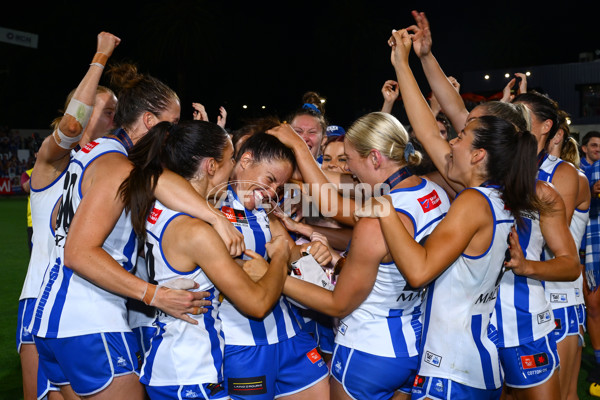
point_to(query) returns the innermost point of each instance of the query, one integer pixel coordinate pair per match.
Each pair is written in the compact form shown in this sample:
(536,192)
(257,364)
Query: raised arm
(445,92)
(53,155)
(390,95)
(419,114)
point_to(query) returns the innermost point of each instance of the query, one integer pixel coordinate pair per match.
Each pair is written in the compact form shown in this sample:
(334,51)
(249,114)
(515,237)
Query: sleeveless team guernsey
(578,225)
(181,353)
(559,294)
(522,313)
(459,303)
(67,304)
(280,323)
(42,203)
(389,322)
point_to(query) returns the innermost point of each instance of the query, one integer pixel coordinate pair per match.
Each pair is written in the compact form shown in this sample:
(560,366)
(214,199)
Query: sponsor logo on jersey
(544,317)
(88,147)
(558,297)
(313,356)
(235,216)
(534,361)
(433,359)
(419,381)
(154,214)
(430,201)
(486,297)
(247,386)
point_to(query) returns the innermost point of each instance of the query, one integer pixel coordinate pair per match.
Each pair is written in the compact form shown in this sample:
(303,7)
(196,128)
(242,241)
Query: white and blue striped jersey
(389,322)
(522,313)
(280,323)
(68,304)
(181,353)
(578,226)
(459,303)
(42,201)
(559,294)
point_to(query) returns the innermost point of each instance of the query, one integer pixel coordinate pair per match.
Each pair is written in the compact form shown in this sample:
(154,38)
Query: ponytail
(137,191)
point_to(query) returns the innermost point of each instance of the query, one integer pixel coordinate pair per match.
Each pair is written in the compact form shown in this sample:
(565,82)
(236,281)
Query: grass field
(13,267)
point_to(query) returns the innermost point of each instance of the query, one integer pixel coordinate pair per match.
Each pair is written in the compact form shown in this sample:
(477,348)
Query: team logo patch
(342,328)
(247,386)
(88,147)
(236,217)
(433,359)
(153,216)
(534,361)
(430,201)
(558,297)
(419,381)
(543,317)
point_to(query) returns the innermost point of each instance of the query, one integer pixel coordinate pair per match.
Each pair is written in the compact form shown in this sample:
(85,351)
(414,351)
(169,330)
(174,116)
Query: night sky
(269,53)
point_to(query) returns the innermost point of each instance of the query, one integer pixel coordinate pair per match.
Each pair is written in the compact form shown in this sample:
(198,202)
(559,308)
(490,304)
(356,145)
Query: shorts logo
(191,394)
(247,386)
(543,317)
(338,367)
(153,216)
(439,386)
(313,356)
(121,361)
(419,381)
(537,360)
(88,147)
(557,324)
(430,201)
(342,328)
(433,359)
(236,217)
(558,297)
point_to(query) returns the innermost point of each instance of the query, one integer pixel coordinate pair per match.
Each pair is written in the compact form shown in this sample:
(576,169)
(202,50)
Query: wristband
(80,111)
(96,64)
(149,294)
(64,141)
(100,58)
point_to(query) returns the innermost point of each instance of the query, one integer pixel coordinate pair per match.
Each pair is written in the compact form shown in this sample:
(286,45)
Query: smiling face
(256,182)
(309,129)
(592,150)
(334,158)
(356,163)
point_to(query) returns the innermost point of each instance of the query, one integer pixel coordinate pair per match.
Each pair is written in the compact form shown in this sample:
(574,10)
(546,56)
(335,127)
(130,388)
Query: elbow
(575,270)
(417,281)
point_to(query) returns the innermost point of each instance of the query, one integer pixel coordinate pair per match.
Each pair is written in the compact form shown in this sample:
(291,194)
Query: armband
(80,111)
(100,58)
(64,141)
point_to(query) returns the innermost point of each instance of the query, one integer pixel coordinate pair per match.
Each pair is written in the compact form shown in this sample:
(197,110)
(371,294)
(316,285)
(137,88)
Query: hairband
(409,150)
(311,107)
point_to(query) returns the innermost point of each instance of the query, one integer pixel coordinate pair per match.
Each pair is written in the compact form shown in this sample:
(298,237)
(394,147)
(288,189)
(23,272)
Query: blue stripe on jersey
(394,321)
(259,236)
(59,301)
(499,324)
(149,361)
(39,311)
(259,332)
(279,321)
(524,233)
(215,346)
(130,251)
(521,298)
(293,311)
(484,356)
